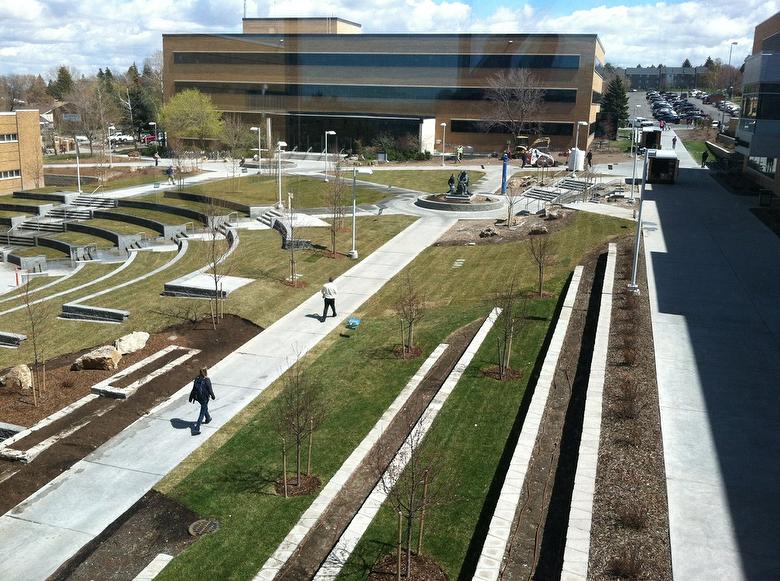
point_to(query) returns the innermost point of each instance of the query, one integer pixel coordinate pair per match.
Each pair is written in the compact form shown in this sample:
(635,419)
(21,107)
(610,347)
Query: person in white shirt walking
(329,294)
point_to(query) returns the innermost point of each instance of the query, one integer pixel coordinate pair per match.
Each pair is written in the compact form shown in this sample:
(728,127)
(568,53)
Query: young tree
(236,138)
(414,483)
(514,102)
(190,115)
(541,249)
(335,199)
(38,316)
(217,247)
(301,410)
(509,323)
(410,307)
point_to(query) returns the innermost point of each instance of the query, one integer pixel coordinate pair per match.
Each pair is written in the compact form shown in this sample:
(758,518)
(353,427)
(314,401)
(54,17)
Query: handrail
(96,189)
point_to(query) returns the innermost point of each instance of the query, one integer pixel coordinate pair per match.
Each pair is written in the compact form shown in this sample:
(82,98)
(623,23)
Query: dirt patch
(467,231)
(401,353)
(423,569)
(149,368)
(309,485)
(108,417)
(155,524)
(495,373)
(323,536)
(630,530)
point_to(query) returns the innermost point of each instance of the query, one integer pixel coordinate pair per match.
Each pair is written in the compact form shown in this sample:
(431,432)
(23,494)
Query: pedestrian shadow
(315,316)
(180,424)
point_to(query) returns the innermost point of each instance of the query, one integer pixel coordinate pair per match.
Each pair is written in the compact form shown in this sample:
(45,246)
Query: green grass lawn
(40,251)
(230,477)
(24,201)
(694,146)
(433,181)
(81,239)
(158,198)
(120,227)
(66,158)
(263,191)
(10,213)
(162,217)
(259,256)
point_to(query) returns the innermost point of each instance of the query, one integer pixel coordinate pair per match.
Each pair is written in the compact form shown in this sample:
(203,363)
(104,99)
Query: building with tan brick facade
(21,161)
(315,75)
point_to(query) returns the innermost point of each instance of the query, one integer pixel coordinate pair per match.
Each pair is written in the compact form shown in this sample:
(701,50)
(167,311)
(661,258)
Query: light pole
(723,112)
(279,146)
(633,153)
(259,155)
(110,149)
(633,287)
(576,146)
(443,141)
(153,125)
(326,152)
(354,253)
(78,165)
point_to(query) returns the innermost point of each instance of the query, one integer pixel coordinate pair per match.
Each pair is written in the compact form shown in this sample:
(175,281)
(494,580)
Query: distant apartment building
(313,75)
(758,131)
(21,161)
(661,77)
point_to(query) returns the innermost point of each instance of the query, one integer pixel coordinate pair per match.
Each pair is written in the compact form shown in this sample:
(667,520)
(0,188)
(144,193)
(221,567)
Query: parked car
(149,138)
(121,138)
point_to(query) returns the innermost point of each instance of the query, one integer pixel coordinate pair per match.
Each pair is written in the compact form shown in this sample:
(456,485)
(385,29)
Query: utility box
(662,166)
(651,138)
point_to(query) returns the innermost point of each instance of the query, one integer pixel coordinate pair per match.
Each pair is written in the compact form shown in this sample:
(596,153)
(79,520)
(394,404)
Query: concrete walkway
(715,300)
(45,530)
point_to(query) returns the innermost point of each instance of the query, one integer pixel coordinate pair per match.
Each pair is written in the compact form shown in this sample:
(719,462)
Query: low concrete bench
(88,313)
(11,339)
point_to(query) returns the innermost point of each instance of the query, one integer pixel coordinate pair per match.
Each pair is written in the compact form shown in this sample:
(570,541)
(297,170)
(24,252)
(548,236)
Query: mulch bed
(155,524)
(401,353)
(423,569)
(117,414)
(630,531)
(495,373)
(308,485)
(467,231)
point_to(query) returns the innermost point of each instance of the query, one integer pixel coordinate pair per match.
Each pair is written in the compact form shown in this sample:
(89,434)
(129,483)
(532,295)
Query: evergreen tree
(614,104)
(687,64)
(710,64)
(143,106)
(62,85)
(132,75)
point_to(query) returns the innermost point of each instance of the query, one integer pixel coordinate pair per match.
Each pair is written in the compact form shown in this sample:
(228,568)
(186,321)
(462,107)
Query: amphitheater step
(540,194)
(43,226)
(11,339)
(97,314)
(95,202)
(69,213)
(269,216)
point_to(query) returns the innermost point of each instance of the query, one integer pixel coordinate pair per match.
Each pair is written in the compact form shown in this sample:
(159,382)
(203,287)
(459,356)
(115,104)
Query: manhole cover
(203,527)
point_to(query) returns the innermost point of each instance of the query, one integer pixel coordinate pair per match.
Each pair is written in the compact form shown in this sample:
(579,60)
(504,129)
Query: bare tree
(410,307)
(414,483)
(38,315)
(335,198)
(217,247)
(301,410)
(514,102)
(541,248)
(236,139)
(509,323)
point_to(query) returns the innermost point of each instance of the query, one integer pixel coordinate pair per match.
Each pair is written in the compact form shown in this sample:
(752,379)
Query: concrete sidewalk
(48,528)
(715,303)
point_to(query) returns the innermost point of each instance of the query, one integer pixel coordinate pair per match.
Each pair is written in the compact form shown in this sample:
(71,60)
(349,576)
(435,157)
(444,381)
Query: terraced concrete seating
(11,339)
(177,210)
(91,202)
(89,313)
(60,197)
(252,211)
(166,230)
(274,219)
(541,194)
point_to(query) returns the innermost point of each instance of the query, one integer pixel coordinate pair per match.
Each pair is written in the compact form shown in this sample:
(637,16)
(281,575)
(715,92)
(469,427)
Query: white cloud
(37,36)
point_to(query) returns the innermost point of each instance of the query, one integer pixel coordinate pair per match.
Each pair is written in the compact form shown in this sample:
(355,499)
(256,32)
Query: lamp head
(281,144)
(330,133)
(254,129)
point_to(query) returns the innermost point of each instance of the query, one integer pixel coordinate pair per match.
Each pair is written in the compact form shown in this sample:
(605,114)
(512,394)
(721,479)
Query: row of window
(761,106)
(9,174)
(373,60)
(466,126)
(363,92)
(8,137)
(764,165)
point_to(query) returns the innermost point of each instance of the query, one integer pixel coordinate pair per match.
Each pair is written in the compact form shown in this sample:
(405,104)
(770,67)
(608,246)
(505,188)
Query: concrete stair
(69,213)
(86,201)
(573,184)
(38,226)
(14,240)
(541,194)
(269,216)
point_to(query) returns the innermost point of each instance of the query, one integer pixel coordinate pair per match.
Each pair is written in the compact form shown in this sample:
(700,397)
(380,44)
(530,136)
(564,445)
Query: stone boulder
(553,215)
(18,377)
(538,229)
(488,232)
(131,343)
(106,357)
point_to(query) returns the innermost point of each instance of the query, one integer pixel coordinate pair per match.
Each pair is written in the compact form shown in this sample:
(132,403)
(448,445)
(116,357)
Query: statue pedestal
(458,198)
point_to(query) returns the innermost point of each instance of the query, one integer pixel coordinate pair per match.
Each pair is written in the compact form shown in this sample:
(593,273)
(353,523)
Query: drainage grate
(203,527)
(458,263)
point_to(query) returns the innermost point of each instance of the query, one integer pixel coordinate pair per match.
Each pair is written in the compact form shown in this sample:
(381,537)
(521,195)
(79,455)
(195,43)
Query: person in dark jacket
(201,392)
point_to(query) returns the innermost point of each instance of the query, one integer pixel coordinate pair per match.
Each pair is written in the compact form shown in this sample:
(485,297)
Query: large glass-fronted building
(315,75)
(758,132)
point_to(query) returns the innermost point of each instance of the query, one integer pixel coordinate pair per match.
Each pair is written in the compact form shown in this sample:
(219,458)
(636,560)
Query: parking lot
(638,98)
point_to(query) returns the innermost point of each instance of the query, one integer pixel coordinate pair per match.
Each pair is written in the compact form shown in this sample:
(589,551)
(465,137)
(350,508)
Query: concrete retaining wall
(60,197)
(164,229)
(455,207)
(204,199)
(120,240)
(51,179)
(186,212)
(41,210)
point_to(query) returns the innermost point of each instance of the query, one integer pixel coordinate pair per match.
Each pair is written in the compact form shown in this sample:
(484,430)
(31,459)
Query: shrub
(627,565)
(631,514)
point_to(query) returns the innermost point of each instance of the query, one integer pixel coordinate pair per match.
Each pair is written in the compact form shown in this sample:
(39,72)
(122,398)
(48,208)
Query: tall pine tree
(615,102)
(687,64)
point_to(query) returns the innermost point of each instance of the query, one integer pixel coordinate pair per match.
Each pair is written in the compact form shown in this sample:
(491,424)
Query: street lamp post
(279,146)
(443,141)
(576,146)
(723,112)
(78,165)
(326,152)
(633,287)
(633,153)
(367,170)
(259,155)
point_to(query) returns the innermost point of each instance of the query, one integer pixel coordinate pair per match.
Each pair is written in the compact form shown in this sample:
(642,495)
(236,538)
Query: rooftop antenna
(244,9)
